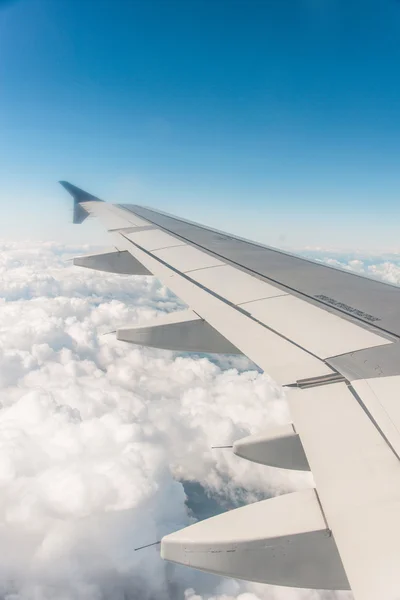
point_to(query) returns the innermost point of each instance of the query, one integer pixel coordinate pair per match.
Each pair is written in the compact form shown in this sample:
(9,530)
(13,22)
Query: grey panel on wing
(281,541)
(183,331)
(121,262)
(382,361)
(369,301)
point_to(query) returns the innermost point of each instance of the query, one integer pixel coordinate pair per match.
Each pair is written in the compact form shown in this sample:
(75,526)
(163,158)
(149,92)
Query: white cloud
(380,266)
(96,437)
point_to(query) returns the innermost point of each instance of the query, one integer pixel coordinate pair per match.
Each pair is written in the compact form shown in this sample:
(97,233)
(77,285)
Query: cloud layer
(99,439)
(380,266)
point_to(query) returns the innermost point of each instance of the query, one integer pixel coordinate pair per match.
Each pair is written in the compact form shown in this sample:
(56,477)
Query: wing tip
(78,194)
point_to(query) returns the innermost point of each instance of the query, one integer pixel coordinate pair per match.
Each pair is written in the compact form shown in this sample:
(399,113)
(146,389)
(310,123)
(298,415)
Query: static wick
(147,546)
(108,332)
(215,447)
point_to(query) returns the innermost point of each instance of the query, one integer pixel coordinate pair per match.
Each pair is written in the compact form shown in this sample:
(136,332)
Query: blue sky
(275,119)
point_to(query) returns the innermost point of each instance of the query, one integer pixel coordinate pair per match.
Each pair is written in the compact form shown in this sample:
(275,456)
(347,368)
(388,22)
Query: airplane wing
(331,338)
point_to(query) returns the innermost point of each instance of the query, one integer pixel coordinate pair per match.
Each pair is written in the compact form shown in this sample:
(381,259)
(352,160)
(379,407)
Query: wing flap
(153,239)
(234,285)
(317,330)
(187,259)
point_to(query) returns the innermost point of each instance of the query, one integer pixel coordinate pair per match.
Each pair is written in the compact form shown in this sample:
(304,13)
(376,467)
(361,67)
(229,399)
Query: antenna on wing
(147,546)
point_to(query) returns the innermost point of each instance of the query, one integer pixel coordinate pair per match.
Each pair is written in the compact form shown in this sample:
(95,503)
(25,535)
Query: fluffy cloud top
(99,439)
(385,266)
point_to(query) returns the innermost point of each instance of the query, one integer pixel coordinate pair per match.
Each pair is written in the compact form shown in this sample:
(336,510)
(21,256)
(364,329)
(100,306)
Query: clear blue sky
(275,119)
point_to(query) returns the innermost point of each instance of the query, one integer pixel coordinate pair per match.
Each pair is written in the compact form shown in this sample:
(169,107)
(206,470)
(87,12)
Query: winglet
(79,196)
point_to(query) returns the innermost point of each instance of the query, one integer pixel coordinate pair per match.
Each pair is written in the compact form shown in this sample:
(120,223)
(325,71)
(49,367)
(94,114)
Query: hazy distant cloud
(96,437)
(381,266)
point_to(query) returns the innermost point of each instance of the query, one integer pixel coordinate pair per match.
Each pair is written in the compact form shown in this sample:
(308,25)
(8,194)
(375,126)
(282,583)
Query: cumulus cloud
(380,266)
(102,443)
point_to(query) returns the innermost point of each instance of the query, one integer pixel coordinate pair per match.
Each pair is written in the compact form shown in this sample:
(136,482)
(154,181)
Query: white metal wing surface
(332,339)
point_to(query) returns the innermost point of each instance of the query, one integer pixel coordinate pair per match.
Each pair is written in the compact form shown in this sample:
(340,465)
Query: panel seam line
(353,319)
(234,306)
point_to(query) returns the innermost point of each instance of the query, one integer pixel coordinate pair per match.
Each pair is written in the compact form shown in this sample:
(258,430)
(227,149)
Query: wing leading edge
(332,339)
